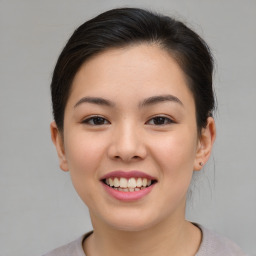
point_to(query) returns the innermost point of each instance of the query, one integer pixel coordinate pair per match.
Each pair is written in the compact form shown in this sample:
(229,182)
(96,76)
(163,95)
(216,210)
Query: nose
(127,144)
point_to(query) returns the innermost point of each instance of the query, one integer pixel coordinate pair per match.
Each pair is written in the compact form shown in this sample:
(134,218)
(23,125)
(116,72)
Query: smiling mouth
(128,185)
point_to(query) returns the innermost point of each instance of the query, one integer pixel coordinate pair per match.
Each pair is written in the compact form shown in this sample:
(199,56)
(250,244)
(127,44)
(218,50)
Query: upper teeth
(128,183)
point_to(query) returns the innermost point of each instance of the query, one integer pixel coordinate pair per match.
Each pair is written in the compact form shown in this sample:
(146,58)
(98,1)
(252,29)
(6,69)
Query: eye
(96,120)
(160,120)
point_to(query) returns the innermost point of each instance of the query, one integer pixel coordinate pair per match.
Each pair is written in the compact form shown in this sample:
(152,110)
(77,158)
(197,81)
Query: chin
(131,226)
(132,222)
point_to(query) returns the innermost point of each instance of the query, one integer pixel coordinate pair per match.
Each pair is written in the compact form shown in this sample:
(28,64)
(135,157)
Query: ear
(57,140)
(205,144)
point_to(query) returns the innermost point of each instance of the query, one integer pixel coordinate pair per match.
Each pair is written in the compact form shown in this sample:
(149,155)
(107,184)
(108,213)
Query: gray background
(39,208)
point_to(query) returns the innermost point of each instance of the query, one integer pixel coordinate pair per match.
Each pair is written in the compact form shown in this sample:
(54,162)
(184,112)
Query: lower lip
(128,196)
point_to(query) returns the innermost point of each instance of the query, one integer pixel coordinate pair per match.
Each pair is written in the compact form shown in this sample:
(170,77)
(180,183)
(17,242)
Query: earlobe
(205,144)
(58,142)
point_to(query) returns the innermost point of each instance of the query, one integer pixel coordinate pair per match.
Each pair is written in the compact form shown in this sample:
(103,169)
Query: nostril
(126,158)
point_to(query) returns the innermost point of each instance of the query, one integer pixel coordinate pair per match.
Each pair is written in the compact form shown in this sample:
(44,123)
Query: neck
(167,238)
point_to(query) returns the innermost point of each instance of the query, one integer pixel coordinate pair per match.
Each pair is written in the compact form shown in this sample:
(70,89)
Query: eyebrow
(95,100)
(160,98)
(149,101)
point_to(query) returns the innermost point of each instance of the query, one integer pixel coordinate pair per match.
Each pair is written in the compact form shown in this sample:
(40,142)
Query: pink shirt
(212,245)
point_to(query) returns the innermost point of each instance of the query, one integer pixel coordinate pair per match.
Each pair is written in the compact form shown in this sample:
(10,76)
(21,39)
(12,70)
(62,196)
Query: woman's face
(130,120)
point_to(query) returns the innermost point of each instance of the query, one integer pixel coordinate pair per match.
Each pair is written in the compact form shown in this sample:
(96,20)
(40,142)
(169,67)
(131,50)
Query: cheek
(175,158)
(82,150)
(83,155)
(176,153)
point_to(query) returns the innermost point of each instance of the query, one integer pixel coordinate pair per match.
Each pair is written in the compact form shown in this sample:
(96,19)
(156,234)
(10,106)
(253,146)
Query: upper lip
(127,175)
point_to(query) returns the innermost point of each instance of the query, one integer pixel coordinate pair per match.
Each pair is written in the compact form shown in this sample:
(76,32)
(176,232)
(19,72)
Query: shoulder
(74,248)
(215,244)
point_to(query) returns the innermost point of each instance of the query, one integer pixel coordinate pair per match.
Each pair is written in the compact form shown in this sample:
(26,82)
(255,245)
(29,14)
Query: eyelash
(96,121)
(99,120)
(163,121)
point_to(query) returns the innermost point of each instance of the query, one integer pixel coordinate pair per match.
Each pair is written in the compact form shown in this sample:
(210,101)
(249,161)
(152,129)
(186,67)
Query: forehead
(140,70)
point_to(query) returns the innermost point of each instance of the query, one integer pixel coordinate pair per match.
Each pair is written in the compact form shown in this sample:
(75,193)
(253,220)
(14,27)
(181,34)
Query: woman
(132,102)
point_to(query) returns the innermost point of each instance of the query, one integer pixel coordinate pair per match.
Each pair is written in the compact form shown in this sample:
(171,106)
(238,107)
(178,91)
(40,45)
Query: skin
(131,135)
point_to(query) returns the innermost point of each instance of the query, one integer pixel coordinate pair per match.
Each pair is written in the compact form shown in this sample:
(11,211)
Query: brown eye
(160,120)
(96,120)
